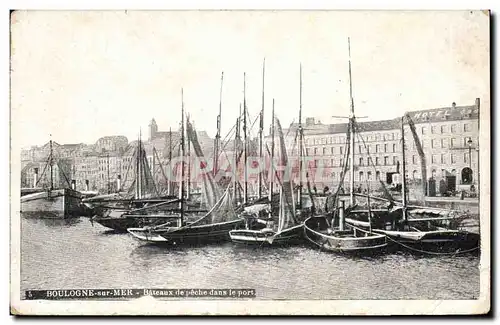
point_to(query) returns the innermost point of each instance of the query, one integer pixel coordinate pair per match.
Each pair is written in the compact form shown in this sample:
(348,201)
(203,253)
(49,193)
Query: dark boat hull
(263,237)
(196,234)
(315,232)
(437,242)
(59,203)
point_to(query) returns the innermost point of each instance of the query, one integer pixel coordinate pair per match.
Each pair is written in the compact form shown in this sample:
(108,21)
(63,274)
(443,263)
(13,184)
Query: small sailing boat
(191,227)
(52,202)
(110,210)
(323,231)
(286,229)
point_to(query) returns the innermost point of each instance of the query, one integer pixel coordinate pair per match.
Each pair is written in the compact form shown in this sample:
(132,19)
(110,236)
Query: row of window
(434,129)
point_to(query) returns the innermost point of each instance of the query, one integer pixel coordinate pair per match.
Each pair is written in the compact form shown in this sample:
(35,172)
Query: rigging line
(386,191)
(41,176)
(129,165)
(64,174)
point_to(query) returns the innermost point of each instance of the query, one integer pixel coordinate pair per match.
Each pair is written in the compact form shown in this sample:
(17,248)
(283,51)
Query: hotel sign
(444,113)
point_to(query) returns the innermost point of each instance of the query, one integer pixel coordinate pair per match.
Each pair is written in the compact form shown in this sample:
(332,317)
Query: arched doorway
(466,175)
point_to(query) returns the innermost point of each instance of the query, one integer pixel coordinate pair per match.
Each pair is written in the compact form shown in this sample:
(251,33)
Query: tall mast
(405,216)
(271,178)
(188,187)
(51,163)
(107,161)
(169,187)
(261,126)
(181,186)
(217,136)
(299,191)
(352,120)
(139,180)
(236,154)
(245,188)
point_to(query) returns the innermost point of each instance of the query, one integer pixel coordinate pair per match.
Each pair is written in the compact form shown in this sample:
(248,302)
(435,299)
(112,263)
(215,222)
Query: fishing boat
(330,231)
(52,202)
(110,210)
(188,227)
(417,229)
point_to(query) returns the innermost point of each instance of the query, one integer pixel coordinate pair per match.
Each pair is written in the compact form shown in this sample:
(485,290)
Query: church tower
(153,129)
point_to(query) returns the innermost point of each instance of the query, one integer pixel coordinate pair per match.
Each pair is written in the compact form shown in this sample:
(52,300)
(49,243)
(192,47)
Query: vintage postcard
(250,162)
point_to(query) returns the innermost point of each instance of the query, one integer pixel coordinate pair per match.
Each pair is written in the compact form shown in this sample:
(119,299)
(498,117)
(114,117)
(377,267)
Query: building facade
(449,138)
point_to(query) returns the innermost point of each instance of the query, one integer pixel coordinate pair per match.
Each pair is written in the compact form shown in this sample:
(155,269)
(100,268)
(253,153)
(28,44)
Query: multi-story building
(449,137)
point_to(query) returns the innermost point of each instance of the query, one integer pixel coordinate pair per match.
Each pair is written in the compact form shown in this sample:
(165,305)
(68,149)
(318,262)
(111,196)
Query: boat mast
(403,182)
(140,164)
(245,188)
(51,163)
(169,188)
(217,136)
(261,128)
(107,162)
(236,153)
(271,178)
(188,185)
(352,120)
(181,186)
(299,191)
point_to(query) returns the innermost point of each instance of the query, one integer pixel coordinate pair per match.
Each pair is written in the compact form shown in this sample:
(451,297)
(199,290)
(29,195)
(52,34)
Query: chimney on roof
(453,105)
(309,121)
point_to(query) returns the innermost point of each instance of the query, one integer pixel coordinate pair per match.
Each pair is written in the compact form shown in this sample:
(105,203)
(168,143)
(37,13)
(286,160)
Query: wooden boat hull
(432,241)
(59,203)
(265,237)
(196,234)
(439,241)
(314,228)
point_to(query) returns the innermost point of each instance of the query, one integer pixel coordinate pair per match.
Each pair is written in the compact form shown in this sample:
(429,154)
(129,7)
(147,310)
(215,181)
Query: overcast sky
(83,75)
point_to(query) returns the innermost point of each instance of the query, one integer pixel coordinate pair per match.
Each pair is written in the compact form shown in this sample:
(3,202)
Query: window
(332,151)
(376,161)
(453,142)
(433,129)
(423,143)
(315,151)
(361,161)
(368,148)
(393,147)
(394,160)
(385,147)
(433,143)
(453,159)
(361,178)
(377,148)
(377,175)
(443,129)
(443,145)
(386,160)
(453,128)
(333,175)
(332,162)
(424,129)
(341,150)
(466,127)
(324,151)
(369,176)
(465,157)
(415,174)
(443,159)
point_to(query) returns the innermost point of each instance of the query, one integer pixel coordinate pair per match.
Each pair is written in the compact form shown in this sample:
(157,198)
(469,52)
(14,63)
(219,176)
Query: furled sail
(287,207)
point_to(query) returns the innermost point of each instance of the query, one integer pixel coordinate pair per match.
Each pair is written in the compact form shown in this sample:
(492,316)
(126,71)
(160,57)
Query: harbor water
(74,254)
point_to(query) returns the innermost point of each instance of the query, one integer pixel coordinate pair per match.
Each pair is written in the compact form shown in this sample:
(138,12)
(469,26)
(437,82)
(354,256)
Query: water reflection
(53,222)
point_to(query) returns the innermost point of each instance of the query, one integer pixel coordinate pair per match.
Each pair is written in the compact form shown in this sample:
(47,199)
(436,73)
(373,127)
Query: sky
(80,75)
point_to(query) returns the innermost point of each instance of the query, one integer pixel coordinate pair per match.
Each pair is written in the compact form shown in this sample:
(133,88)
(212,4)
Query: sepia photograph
(249,162)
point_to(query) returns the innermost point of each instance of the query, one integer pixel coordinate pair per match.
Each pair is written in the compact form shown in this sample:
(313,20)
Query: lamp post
(469,142)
